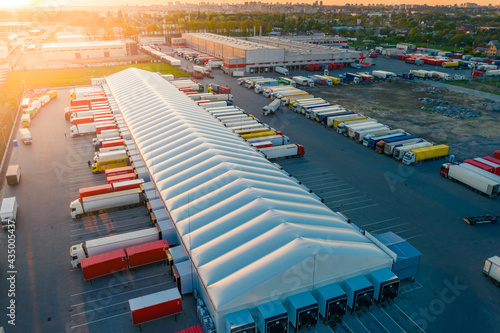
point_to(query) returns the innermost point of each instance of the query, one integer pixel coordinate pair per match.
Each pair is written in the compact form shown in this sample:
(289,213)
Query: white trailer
(290,150)
(13,174)
(25,104)
(89,128)
(492,269)
(110,155)
(276,140)
(242,80)
(271,108)
(281,70)
(441,75)
(210,105)
(286,100)
(296,106)
(197,97)
(389,147)
(288,93)
(102,245)
(240,129)
(304,81)
(399,152)
(113,200)
(111,133)
(235,117)
(228,113)
(223,108)
(219,97)
(343,128)
(365,125)
(201,69)
(383,74)
(471,178)
(82,114)
(8,212)
(360,133)
(492,72)
(313,113)
(482,172)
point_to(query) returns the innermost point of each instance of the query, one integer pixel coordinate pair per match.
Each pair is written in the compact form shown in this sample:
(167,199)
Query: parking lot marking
(360,196)
(348,210)
(407,238)
(337,181)
(389,227)
(410,287)
(339,195)
(362,324)
(392,320)
(98,320)
(353,203)
(107,306)
(371,314)
(313,176)
(347,326)
(343,189)
(395,218)
(420,328)
(121,293)
(115,285)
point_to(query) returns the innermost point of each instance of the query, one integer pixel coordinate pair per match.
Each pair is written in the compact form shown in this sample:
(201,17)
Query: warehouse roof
(230,41)
(252,232)
(82,44)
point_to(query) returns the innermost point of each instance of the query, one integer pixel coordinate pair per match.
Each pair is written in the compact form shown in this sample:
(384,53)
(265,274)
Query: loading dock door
(336,308)
(307,317)
(78,56)
(106,54)
(277,325)
(177,278)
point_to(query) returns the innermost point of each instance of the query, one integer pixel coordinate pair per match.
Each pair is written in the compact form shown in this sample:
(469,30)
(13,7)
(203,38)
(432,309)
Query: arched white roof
(246,224)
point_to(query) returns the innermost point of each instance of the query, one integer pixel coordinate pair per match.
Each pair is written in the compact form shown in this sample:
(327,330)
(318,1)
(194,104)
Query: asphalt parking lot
(379,194)
(375,192)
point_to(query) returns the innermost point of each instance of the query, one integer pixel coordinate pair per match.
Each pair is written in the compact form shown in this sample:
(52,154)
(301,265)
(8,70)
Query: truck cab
(77,252)
(8,212)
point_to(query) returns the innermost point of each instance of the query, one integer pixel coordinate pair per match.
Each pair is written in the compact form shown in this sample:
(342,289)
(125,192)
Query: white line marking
(347,326)
(362,324)
(361,196)
(348,210)
(420,328)
(338,195)
(107,306)
(121,293)
(395,218)
(116,285)
(413,236)
(389,227)
(371,314)
(98,320)
(392,320)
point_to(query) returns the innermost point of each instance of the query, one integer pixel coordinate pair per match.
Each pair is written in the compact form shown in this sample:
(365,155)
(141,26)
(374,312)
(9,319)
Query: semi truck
(85,129)
(372,141)
(260,134)
(110,160)
(330,120)
(311,113)
(286,100)
(348,118)
(322,116)
(343,128)
(105,134)
(102,245)
(276,140)
(110,153)
(25,120)
(271,108)
(303,81)
(13,174)
(106,201)
(360,132)
(380,145)
(90,113)
(470,178)
(241,80)
(425,154)
(284,151)
(8,212)
(295,105)
(399,151)
(384,75)
(219,97)
(492,269)
(261,85)
(281,70)
(366,138)
(25,136)
(250,83)
(109,143)
(390,146)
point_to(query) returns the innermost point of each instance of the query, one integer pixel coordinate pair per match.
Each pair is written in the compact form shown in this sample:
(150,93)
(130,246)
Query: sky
(55,3)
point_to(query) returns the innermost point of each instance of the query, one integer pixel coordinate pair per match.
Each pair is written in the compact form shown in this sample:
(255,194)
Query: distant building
(493,48)
(84,50)
(467,28)
(480,49)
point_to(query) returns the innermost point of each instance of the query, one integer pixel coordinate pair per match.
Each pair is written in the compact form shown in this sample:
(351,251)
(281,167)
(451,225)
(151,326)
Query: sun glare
(16,3)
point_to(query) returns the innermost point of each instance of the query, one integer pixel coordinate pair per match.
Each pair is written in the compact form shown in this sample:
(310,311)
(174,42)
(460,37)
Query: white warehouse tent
(253,233)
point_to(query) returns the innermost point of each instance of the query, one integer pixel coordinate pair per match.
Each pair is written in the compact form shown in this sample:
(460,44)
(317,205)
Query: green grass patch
(490,85)
(10,93)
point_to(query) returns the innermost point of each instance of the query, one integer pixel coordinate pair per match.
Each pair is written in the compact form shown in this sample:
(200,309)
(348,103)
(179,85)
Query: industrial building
(256,243)
(263,54)
(4,49)
(88,50)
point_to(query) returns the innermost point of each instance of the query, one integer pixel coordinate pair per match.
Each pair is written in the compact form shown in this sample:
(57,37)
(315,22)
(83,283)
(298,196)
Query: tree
(438,25)
(414,33)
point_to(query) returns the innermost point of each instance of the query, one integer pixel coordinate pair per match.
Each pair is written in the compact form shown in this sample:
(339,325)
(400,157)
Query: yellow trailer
(335,80)
(426,153)
(52,94)
(101,166)
(260,134)
(450,64)
(354,117)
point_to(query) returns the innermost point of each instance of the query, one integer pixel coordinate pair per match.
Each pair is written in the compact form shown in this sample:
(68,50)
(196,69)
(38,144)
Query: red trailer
(101,119)
(155,306)
(101,128)
(127,185)
(95,190)
(493,162)
(497,154)
(78,102)
(410,60)
(103,264)
(193,329)
(224,90)
(492,159)
(113,143)
(118,171)
(373,55)
(83,120)
(480,165)
(121,178)
(147,253)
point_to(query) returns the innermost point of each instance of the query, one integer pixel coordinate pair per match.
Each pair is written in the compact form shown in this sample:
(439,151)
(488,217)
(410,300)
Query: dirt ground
(397,105)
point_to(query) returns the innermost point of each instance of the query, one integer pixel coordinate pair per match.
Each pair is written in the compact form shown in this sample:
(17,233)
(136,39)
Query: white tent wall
(251,230)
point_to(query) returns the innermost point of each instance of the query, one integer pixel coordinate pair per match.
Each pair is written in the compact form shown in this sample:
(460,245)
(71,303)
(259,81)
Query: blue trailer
(380,146)
(373,141)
